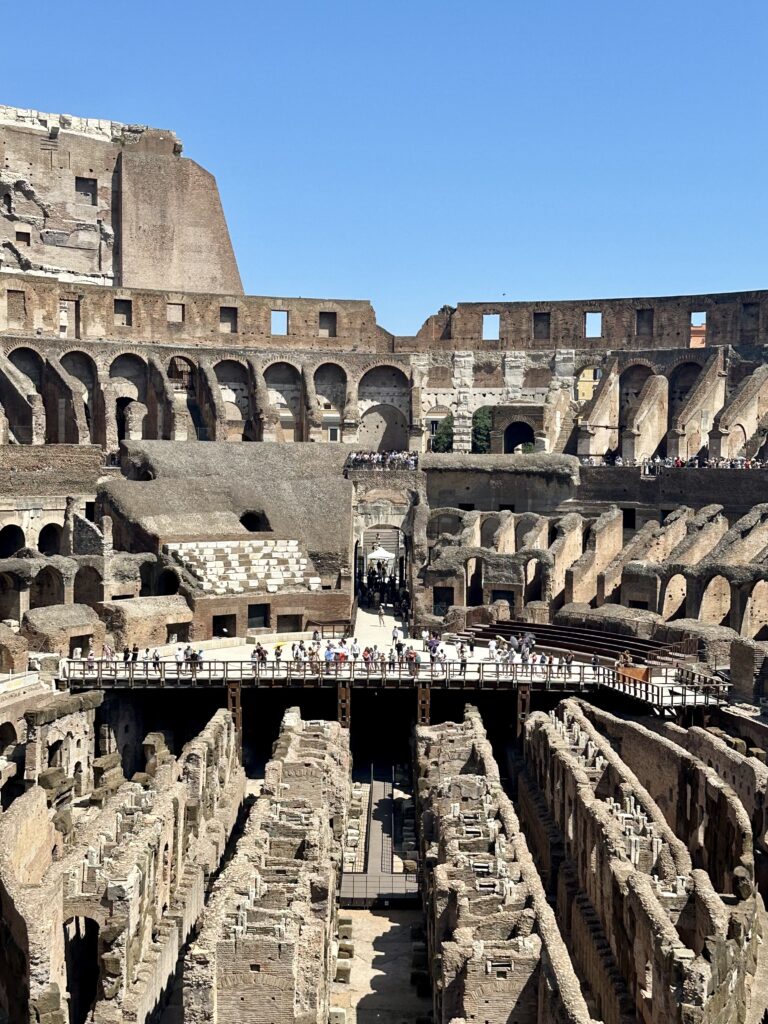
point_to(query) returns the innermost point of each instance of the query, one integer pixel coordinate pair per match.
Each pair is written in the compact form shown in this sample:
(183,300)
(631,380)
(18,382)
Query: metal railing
(671,686)
(487,674)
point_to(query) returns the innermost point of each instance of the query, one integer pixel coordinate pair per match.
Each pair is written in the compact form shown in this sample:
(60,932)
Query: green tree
(442,440)
(481,431)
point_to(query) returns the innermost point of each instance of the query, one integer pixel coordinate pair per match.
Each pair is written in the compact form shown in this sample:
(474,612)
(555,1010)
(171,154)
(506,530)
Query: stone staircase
(236,566)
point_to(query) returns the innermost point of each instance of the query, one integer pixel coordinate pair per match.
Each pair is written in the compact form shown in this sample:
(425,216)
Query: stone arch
(737,441)
(10,596)
(488,528)
(755,621)
(682,380)
(88,586)
(286,395)
(383,428)
(715,608)
(631,382)
(47,588)
(128,373)
(29,362)
(184,379)
(11,540)
(168,582)
(235,388)
(385,385)
(82,368)
(8,739)
(49,539)
(674,599)
(330,382)
(534,580)
(518,435)
(443,521)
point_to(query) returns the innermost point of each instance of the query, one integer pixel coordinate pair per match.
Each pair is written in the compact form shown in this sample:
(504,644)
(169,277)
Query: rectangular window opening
(326,325)
(24,237)
(279,323)
(629,516)
(123,313)
(333,433)
(86,190)
(542,325)
(698,336)
(750,320)
(227,319)
(174,312)
(644,323)
(491,326)
(17,307)
(593,325)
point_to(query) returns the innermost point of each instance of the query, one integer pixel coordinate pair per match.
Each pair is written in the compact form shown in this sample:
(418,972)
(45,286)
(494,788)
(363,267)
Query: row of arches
(293,398)
(13,540)
(715,607)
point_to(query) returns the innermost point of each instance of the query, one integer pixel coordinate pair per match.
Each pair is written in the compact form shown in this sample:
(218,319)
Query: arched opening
(382,566)
(755,623)
(83,369)
(28,362)
(331,390)
(168,582)
(10,591)
(474,570)
(488,530)
(682,380)
(88,589)
(8,739)
(255,522)
(11,540)
(128,374)
(383,428)
(182,376)
(286,395)
(716,602)
(79,776)
(235,389)
(49,540)
(56,754)
(631,383)
(675,593)
(81,955)
(586,383)
(47,588)
(533,580)
(518,437)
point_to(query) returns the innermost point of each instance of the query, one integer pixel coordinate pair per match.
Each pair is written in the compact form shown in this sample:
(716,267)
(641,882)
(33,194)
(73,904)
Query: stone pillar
(463,376)
(344,703)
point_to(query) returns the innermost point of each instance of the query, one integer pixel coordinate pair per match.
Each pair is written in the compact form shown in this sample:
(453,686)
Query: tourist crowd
(651,467)
(383,460)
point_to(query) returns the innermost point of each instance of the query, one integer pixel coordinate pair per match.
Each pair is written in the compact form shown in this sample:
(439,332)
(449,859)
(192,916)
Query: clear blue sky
(418,152)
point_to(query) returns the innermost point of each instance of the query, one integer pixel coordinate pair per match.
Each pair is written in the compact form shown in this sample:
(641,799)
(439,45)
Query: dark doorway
(224,625)
(518,435)
(49,541)
(81,955)
(289,623)
(11,541)
(442,599)
(258,616)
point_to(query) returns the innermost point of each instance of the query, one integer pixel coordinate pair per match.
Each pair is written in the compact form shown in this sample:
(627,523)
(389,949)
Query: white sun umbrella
(381,555)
